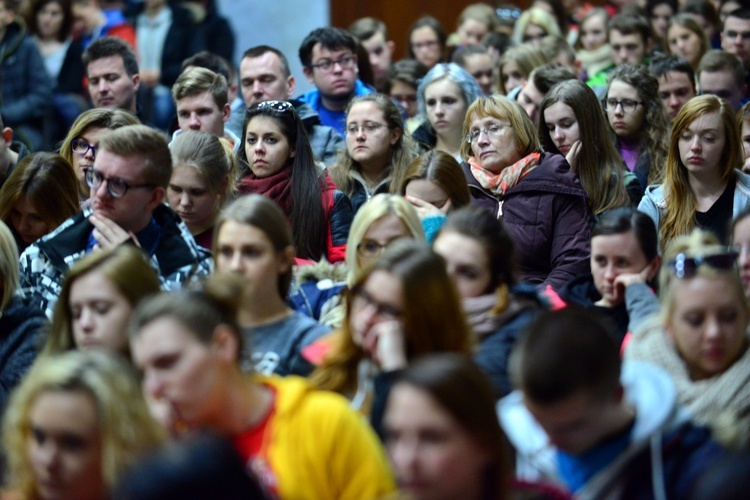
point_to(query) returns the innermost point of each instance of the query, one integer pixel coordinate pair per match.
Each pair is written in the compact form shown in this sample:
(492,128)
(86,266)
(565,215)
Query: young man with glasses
(128,183)
(329,58)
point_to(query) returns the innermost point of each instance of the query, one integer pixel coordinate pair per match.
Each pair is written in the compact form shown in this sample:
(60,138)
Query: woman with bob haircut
(80,145)
(573,125)
(537,195)
(203,180)
(533,25)
(252,239)
(700,336)
(20,325)
(516,65)
(639,122)
(38,196)
(445,395)
(303,443)
(480,258)
(702,186)
(443,96)
(686,38)
(377,149)
(278,163)
(320,292)
(403,306)
(98,295)
(84,408)
(426,41)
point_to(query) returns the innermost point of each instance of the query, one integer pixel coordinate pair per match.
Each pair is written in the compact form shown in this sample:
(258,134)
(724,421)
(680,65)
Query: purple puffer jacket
(547,216)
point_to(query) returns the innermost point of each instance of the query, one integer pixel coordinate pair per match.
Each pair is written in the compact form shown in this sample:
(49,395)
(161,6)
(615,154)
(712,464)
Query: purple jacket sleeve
(570,248)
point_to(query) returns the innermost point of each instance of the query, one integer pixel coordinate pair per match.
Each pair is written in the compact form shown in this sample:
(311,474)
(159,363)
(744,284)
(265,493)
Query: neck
(336,104)
(450,145)
(262,310)
(373,174)
(630,142)
(706,185)
(244,405)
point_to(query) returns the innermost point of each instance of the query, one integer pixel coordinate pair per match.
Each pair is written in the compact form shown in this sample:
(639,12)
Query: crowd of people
(514,264)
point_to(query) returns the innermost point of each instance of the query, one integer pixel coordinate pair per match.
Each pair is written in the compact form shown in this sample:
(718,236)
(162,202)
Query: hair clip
(275,105)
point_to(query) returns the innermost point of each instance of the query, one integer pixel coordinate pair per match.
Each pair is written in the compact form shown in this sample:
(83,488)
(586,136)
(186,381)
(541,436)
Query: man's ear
(226,344)
(309,74)
(157,198)
(227,113)
(286,260)
(291,86)
(391,46)
(136,81)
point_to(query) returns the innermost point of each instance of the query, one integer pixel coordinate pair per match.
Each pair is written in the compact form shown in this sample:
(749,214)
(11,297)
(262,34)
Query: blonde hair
(538,17)
(679,214)
(9,270)
(526,56)
(126,427)
(379,206)
(503,108)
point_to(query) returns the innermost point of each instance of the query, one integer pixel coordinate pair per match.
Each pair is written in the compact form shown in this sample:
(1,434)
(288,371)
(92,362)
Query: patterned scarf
(276,187)
(499,184)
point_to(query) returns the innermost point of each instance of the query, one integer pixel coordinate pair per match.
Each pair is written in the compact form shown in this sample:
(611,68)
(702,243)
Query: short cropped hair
(630,24)
(563,353)
(109,46)
(548,75)
(260,50)
(718,60)
(662,64)
(329,38)
(209,60)
(366,27)
(143,142)
(199,80)
(462,53)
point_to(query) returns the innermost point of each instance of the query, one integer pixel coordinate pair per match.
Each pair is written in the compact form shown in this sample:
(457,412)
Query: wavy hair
(127,429)
(599,166)
(9,270)
(308,215)
(401,150)
(655,122)
(679,212)
(119,265)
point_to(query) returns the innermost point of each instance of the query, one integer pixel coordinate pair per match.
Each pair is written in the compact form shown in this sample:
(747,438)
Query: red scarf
(499,184)
(276,187)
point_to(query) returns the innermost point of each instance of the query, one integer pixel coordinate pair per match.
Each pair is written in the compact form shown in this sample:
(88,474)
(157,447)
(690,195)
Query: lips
(564,148)
(695,159)
(484,154)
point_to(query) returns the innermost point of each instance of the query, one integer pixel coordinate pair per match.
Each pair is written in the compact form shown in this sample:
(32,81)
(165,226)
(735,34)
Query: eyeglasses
(371,248)
(325,66)
(361,299)
(367,128)
(492,131)
(628,105)
(275,105)
(116,186)
(686,267)
(81,148)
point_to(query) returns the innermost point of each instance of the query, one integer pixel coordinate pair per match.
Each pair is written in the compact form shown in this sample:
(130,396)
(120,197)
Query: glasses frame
(346,62)
(366,128)
(627,110)
(90,172)
(486,131)
(76,142)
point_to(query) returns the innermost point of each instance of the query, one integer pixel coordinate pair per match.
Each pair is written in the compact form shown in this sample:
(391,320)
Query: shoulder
(654,198)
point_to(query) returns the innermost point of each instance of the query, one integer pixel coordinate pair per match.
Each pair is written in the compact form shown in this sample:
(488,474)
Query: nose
(49,455)
(184,200)
(89,154)
(194,123)
(557,134)
(23,224)
(102,191)
(622,54)
(235,262)
(405,455)
(695,145)
(619,110)
(257,87)
(152,384)
(674,102)
(360,133)
(744,257)
(86,320)
(338,67)
(103,86)
(439,109)
(713,328)
(609,273)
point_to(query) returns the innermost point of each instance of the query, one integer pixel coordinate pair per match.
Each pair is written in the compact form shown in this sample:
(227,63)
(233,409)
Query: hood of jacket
(648,388)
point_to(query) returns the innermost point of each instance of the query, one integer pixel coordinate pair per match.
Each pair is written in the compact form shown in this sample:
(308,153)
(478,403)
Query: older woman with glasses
(80,145)
(700,336)
(703,186)
(537,195)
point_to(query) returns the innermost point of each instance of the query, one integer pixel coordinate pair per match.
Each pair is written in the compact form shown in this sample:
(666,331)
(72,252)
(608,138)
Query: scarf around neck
(499,184)
(276,187)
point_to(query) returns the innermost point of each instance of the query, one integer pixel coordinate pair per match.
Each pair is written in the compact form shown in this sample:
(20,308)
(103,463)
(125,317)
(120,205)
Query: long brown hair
(432,322)
(679,214)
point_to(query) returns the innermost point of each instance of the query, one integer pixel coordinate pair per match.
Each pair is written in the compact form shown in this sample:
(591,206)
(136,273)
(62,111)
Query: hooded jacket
(666,453)
(317,447)
(547,217)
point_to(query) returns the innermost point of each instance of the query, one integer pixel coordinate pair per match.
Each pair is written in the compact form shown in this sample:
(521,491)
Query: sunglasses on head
(686,267)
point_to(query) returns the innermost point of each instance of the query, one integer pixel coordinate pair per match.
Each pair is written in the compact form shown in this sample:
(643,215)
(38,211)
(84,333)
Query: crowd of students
(515,264)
